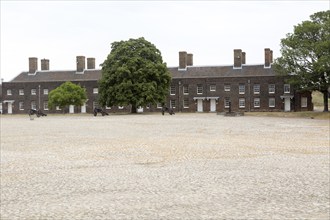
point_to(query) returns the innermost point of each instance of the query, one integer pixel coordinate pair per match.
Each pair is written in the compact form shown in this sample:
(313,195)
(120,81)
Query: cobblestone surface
(187,166)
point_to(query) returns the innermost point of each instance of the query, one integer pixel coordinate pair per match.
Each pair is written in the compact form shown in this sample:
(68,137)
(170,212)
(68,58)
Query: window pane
(199,89)
(185,90)
(271,88)
(242,103)
(241,89)
(257,102)
(227,88)
(271,102)
(256,89)
(303,102)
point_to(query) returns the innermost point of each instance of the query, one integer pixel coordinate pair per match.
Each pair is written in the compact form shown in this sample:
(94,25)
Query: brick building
(193,88)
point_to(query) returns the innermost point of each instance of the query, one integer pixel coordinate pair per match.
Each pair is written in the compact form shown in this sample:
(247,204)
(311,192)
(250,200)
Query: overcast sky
(61,30)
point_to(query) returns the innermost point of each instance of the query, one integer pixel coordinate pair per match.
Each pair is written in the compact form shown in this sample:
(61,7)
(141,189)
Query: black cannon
(38,113)
(99,110)
(169,110)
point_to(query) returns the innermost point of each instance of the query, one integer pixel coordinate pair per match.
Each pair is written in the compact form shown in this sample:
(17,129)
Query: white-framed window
(213,88)
(186,103)
(227,100)
(271,102)
(21,105)
(172,90)
(286,88)
(33,92)
(241,89)
(46,105)
(185,90)
(45,91)
(33,105)
(271,88)
(172,103)
(95,90)
(120,107)
(21,92)
(256,88)
(9,92)
(241,103)
(227,87)
(199,89)
(303,102)
(159,105)
(256,102)
(58,108)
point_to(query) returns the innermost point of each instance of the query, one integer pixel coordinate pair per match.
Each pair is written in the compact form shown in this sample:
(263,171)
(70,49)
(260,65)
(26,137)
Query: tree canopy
(67,94)
(306,55)
(133,74)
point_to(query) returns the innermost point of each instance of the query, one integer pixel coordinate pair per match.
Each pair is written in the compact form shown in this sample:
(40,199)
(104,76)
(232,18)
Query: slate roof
(190,72)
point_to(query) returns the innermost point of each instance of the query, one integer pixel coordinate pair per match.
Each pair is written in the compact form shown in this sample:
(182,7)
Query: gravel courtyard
(186,166)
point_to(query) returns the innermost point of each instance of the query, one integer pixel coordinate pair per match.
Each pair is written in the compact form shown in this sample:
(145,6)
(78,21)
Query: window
(241,103)
(185,103)
(95,105)
(303,102)
(271,88)
(199,89)
(172,103)
(9,92)
(286,88)
(256,102)
(227,88)
(58,108)
(33,105)
(159,105)
(212,88)
(45,91)
(185,90)
(241,89)
(172,90)
(21,92)
(33,91)
(45,105)
(227,100)
(272,102)
(21,105)
(256,88)
(95,90)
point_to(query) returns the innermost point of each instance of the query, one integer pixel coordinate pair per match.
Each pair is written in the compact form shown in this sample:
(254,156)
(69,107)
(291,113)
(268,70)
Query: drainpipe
(249,95)
(39,98)
(179,98)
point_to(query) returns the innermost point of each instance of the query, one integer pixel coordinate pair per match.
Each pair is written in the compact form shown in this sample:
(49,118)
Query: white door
(199,105)
(71,109)
(83,108)
(287,105)
(10,108)
(212,105)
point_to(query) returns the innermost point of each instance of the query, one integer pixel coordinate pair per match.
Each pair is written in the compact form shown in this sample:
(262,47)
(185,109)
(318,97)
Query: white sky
(61,30)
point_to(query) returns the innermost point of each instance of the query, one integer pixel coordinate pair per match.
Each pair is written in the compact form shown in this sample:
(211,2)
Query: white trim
(197,98)
(286,96)
(8,101)
(185,69)
(216,98)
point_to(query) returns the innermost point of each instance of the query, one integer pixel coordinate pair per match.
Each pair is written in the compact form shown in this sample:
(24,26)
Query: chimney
(80,63)
(189,59)
(243,57)
(271,57)
(90,63)
(237,58)
(182,60)
(33,64)
(44,64)
(267,58)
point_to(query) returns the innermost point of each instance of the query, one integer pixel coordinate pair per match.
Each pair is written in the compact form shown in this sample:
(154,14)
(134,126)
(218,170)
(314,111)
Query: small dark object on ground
(38,113)
(169,110)
(99,110)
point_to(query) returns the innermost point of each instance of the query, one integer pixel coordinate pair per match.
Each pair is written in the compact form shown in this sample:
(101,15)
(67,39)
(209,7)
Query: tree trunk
(325,100)
(133,109)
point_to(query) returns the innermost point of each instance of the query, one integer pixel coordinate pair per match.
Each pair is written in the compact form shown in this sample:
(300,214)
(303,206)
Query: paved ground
(186,166)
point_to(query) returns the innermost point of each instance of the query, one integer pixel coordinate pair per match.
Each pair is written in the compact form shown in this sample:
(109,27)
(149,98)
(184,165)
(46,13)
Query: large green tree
(133,74)
(306,55)
(67,94)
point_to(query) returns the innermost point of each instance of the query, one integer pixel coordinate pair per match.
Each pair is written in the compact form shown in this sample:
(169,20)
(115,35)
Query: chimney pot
(80,63)
(33,64)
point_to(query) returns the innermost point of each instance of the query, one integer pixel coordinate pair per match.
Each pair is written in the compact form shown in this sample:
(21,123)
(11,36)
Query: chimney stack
(243,57)
(182,60)
(80,63)
(271,56)
(237,58)
(44,64)
(267,58)
(33,64)
(189,59)
(90,63)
